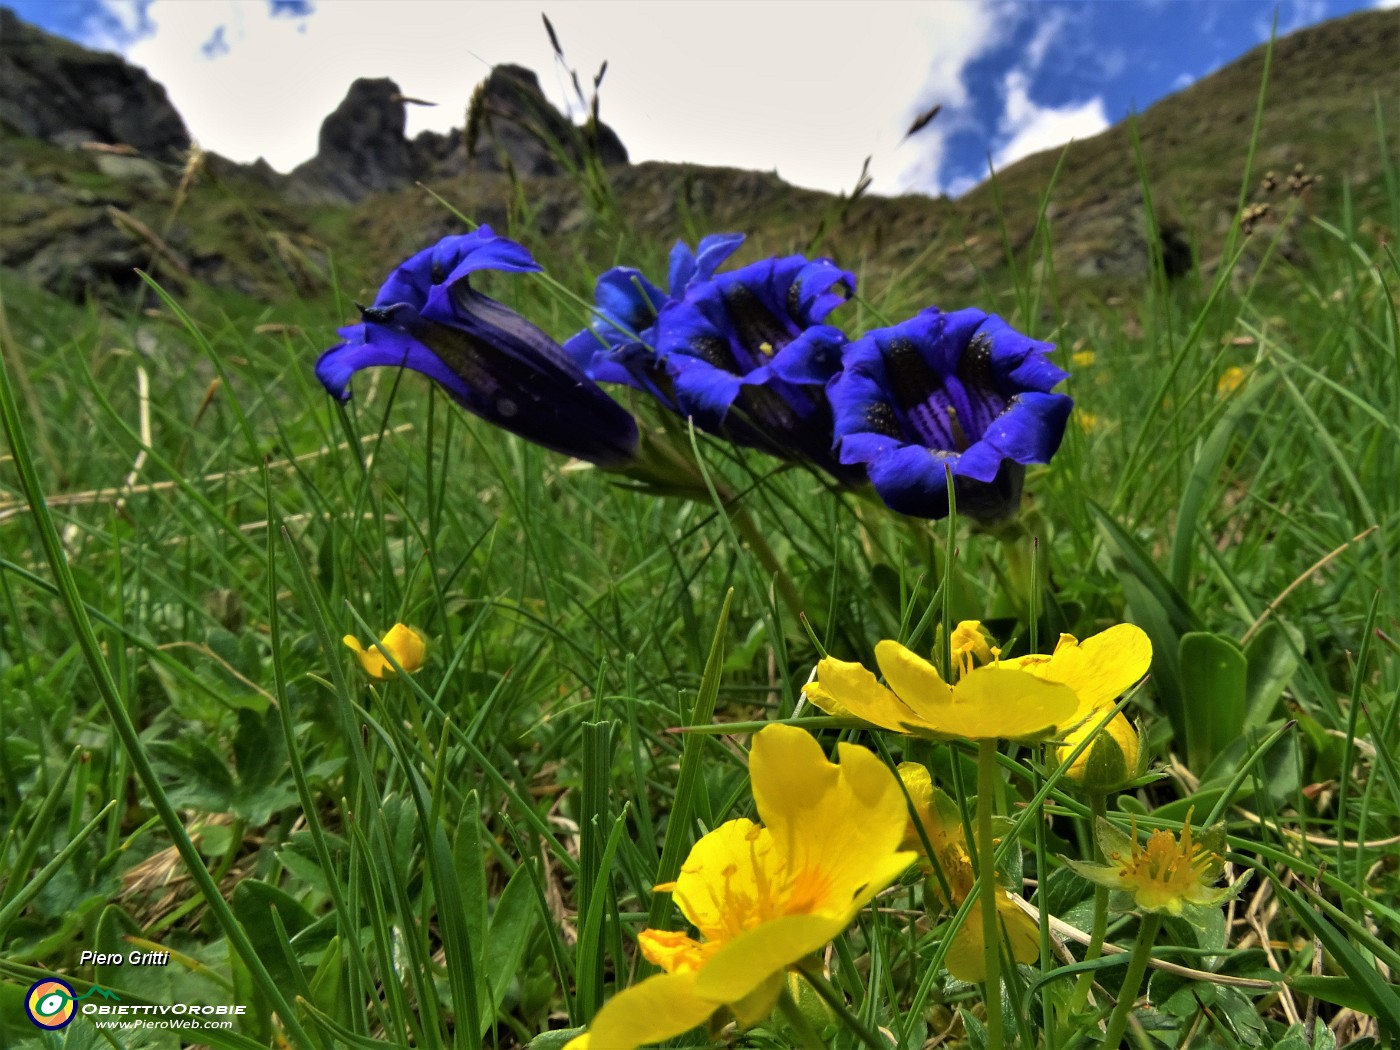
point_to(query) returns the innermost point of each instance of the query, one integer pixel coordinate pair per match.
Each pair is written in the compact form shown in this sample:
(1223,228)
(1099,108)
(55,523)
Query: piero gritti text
(129,959)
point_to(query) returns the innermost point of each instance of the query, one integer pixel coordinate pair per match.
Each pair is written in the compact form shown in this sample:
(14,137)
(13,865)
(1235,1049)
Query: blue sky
(807,90)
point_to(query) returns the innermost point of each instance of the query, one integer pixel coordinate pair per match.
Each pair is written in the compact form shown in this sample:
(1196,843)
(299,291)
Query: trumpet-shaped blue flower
(492,361)
(961,389)
(744,353)
(619,346)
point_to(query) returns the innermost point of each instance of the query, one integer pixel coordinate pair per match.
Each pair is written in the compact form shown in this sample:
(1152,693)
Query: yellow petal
(1020,930)
(406,646)
(656,1009)
(845,688)
(721,875)
(1099,669)
(372,660)
(403,643)
(915,681)
(935,809)
(1110,761)
(919,786)
(965,960)
(671,950)
(837,827)
(749,960)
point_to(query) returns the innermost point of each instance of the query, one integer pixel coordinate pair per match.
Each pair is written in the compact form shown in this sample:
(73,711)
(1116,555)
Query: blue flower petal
(370,345)
(700,265)
(704,392)
(813,357)
(626,297)
(451,259)
(1031,429)
(822,286)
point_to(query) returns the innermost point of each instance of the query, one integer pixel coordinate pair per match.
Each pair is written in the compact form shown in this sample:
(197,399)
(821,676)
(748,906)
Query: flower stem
(986,872)
(1098,807)
(807,1037)
(1127,994)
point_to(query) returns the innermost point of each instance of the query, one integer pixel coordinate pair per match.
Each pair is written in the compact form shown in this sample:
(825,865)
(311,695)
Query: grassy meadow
(191,760)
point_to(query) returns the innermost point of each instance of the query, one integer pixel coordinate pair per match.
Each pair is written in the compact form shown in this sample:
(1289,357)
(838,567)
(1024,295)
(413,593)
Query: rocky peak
(522,124)
(363,150)
(65,94)
(362,146)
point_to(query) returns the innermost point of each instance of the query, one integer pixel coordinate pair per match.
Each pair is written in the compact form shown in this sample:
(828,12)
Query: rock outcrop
(362,148)
(54,90)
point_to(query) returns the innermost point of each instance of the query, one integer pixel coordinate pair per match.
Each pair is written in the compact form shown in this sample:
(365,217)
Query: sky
(808,90)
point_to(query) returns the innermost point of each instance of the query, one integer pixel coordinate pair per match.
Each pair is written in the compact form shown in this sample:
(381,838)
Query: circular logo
(49,1003)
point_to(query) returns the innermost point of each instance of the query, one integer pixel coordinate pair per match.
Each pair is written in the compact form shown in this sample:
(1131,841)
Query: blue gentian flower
(619,346)
(492,361)
(743,353)
(749,355)
(960,389)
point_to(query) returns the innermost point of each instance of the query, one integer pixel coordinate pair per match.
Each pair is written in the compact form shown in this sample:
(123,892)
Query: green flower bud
(1110,761)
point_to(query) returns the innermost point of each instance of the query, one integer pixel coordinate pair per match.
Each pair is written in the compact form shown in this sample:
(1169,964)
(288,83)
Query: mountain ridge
(80,219)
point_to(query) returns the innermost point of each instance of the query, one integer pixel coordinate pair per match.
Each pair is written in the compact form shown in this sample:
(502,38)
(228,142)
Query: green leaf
(1213,674)
(197,776)
(555,1040)
(253,903)
(511,928)
(1242,1015)
(1340,991)
(1272,656)
(469,861)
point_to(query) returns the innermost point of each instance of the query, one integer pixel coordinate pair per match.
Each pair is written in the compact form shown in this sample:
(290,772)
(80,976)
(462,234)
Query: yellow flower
(1110,761)
(994,701)
(762,897)
(404,644)
(1082,358)
(1169,873)
(1088,421)
(1099,669)
(1230,380)
(943,828)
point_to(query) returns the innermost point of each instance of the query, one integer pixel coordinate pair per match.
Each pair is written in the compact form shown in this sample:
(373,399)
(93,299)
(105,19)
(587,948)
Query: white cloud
(1027,127)
(807,91)
(1385,4)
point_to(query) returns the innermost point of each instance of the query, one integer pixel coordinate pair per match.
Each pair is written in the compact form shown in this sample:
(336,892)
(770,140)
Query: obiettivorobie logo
(52,1003)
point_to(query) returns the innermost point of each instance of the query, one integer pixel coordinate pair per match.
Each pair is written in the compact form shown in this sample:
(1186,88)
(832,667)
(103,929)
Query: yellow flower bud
(1110,761)
(404,644)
